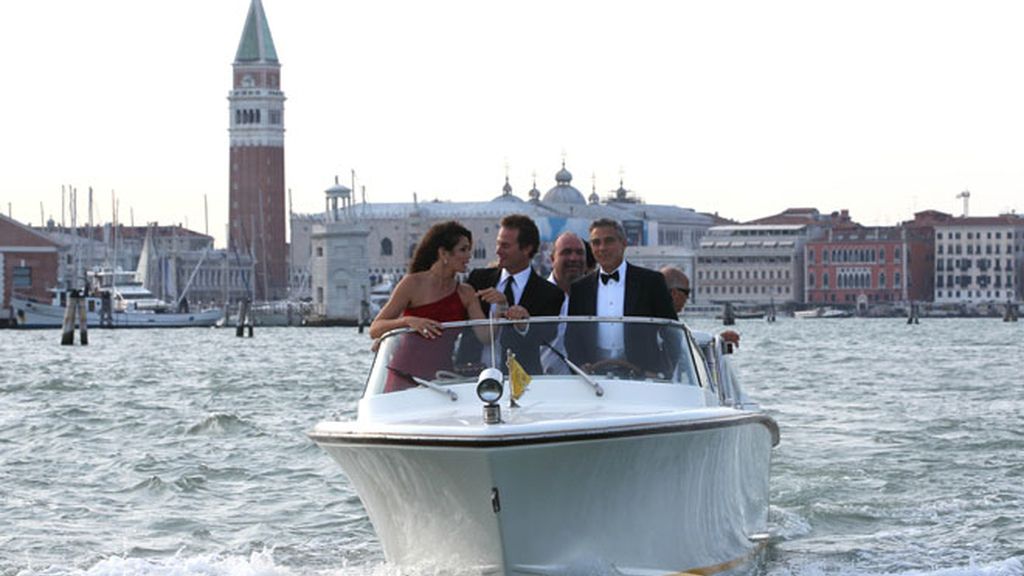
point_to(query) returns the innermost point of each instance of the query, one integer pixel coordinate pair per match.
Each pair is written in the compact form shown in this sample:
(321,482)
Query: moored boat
(822,312)
(116,300)
(650,464)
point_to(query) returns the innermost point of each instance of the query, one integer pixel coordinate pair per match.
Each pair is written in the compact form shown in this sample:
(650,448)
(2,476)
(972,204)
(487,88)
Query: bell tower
(257,211)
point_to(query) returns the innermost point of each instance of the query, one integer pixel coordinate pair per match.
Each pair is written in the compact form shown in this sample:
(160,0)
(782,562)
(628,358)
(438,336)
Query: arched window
(385,247)
(881,279)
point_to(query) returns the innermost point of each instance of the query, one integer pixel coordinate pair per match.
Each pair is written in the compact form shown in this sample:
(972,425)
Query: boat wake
(1009,567)
(262,564)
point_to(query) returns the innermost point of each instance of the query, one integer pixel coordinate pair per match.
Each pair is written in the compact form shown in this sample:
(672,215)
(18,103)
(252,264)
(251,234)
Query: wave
(256,564)
(1009,567)
(262,563)
(221,423)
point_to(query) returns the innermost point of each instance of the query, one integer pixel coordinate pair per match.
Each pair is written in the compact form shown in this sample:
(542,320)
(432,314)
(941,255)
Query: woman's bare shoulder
(466,291)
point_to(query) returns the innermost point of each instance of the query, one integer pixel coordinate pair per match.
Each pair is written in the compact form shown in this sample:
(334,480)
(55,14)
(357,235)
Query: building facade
(257,210)
(858,266)
(752,264)
(29,263)
(356,245)
(978,260)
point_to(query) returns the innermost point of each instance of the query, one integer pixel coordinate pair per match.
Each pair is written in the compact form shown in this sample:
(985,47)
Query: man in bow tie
(617,289)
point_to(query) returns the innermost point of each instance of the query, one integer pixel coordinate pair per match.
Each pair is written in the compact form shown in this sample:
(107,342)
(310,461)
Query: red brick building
(28,263)
(854,263)
(257,212)
(920,234)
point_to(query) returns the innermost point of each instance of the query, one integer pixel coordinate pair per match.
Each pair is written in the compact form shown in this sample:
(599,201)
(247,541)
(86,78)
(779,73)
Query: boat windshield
(642,349)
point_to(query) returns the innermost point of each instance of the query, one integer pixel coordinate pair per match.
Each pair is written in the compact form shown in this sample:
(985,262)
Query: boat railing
(651,350)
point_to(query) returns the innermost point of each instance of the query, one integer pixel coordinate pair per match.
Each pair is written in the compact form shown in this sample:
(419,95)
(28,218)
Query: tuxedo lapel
(529,291)
(590,303)
(486,278)
(633,291)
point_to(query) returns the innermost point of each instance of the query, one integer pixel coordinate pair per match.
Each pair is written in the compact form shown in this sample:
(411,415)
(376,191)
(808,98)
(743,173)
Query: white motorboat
(822,312)
(653,463)
(116,301)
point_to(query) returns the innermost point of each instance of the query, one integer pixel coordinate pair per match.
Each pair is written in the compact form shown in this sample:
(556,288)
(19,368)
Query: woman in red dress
(427,296)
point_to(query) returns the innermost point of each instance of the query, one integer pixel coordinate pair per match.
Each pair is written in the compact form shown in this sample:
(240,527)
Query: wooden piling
(245,319)
(67,336)
(83,324)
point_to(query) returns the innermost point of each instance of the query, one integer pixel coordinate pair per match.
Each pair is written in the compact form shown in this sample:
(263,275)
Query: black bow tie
(606,277)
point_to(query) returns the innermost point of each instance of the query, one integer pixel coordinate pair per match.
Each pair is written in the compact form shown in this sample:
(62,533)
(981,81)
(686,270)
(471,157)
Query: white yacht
(116,300)
(646,464)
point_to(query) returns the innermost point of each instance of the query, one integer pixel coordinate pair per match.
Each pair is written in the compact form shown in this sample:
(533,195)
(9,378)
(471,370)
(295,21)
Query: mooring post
(83,325)
(240,323)
(67,336)
(245,320)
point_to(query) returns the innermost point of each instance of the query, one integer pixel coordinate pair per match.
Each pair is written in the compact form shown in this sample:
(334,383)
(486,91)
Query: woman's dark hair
(442,235)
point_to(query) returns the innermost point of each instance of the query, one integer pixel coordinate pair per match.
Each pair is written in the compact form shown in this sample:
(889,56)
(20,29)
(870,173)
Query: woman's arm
(390,316)
(474,311)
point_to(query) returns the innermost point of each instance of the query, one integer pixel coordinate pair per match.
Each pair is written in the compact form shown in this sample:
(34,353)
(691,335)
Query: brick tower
(256,221)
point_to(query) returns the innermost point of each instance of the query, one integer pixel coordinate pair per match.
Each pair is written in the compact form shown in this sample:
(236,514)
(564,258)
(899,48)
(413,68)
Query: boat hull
(687,497)
(28,314)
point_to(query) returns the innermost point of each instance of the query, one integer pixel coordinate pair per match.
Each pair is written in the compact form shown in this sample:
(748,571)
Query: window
(21,277)
(386,248)
(320,251)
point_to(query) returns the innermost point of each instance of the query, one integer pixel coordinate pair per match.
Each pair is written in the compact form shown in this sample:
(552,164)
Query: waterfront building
(920,253)
(172,261)
(761,262)
(29,263)
(257,211)
(354,245)
(978,260)
(856,265)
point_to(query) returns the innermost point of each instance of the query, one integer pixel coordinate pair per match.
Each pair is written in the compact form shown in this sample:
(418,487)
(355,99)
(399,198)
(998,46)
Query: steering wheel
(617,368)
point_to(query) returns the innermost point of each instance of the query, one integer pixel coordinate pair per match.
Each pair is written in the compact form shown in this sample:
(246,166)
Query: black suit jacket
(646,294)
(540,298)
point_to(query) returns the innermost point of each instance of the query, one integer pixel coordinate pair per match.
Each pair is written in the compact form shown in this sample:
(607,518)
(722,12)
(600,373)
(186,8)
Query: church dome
(506,194)
(564,192)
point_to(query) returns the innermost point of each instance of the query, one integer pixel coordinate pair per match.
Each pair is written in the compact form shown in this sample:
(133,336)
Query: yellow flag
(517,376)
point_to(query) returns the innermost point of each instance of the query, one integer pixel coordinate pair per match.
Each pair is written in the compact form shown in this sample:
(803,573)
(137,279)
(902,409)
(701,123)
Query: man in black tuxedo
(618,288)
(514,284)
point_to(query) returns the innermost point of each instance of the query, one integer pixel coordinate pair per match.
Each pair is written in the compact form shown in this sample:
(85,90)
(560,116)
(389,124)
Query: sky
(741,108)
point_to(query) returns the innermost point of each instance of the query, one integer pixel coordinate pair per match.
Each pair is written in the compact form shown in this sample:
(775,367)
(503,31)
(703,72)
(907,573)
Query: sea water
(178,452)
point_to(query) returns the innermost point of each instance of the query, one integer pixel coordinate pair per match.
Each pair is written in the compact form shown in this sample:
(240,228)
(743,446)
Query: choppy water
(174,452)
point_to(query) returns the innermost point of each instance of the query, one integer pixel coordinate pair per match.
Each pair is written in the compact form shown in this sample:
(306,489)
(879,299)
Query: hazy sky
(740,108)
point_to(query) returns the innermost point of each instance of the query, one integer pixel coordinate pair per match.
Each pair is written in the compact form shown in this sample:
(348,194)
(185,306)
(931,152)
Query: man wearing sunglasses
(678,287)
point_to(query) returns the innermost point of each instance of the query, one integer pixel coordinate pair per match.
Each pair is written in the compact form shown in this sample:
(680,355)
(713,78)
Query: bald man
(678,287)
(568,262)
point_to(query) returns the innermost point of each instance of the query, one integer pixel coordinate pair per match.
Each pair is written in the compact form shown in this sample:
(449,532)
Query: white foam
(1009,567)
(256,564)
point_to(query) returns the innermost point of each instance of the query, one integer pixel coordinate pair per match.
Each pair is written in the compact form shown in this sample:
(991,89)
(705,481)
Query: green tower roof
(256,44)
